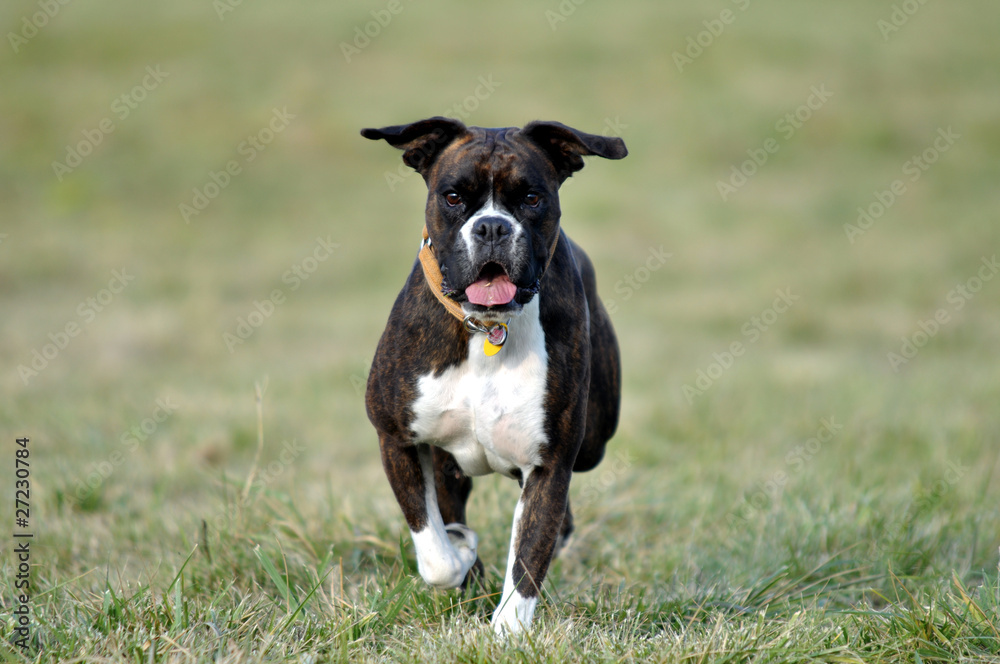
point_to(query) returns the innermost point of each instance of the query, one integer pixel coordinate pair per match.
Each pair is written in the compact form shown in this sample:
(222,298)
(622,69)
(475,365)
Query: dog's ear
(566,146)
(422,141)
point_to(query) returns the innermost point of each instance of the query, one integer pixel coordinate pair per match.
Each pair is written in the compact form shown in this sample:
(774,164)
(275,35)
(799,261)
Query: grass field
(807,465)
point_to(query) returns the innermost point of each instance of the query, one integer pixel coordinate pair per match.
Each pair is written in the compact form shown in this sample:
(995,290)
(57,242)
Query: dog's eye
(452,198)
(532,200)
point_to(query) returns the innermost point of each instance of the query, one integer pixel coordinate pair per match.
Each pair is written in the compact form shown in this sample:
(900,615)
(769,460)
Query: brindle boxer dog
(498,355)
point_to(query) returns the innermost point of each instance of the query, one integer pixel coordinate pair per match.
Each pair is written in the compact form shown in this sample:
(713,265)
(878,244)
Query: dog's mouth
(492,287)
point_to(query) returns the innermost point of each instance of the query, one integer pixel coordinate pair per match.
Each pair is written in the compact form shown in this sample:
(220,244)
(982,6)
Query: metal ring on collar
(473,325)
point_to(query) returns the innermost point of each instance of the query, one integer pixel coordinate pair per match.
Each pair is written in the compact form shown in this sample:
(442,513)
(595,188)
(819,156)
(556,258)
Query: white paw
(514,614)
(461,536)
(445,558)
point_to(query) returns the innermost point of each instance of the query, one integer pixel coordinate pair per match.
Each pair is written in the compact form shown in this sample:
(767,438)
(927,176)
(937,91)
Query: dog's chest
(488,412)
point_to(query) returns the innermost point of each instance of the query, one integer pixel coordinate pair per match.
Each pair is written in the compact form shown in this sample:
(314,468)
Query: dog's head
(493,201)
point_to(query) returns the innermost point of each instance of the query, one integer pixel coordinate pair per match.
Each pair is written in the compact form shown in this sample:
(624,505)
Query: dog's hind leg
(565,531)
(453,486)
(604,400)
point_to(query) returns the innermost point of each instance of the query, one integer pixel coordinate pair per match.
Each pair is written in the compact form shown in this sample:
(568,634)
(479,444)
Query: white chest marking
(488,412)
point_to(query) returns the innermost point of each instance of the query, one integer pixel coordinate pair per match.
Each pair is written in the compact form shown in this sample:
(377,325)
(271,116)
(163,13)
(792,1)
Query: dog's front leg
(445,554)
(537,525)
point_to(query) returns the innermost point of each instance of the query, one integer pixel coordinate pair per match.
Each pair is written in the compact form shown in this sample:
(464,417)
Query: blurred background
(187,210)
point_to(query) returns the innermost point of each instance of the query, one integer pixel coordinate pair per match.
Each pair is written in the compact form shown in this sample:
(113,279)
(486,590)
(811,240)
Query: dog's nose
(491,229)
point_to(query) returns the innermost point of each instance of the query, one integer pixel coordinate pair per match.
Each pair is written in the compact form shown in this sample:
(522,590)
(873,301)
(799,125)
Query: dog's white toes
(514,614)
(462,537)
(445,558)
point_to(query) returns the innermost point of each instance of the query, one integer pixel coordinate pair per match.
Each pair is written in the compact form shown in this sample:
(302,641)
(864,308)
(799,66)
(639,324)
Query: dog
(498,355)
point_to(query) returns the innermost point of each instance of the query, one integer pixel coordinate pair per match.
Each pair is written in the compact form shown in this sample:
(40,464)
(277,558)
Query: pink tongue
(493,291)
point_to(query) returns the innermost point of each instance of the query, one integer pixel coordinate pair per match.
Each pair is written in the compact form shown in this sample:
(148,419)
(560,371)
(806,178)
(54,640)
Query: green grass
(715,531)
